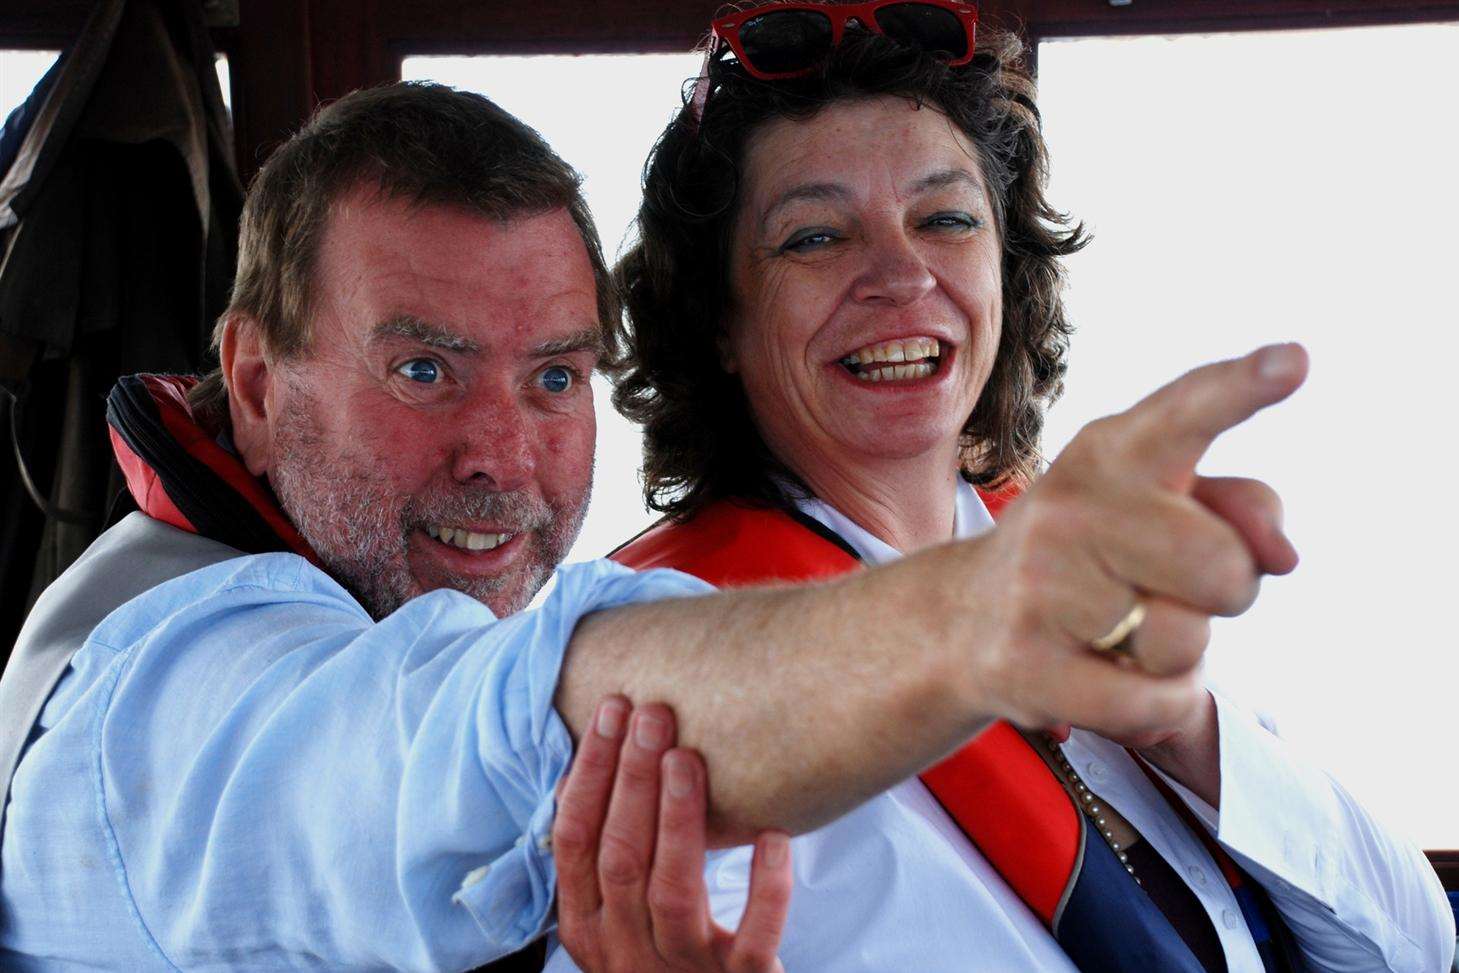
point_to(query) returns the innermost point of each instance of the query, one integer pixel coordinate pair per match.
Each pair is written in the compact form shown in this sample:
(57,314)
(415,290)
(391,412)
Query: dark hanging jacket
(118,233)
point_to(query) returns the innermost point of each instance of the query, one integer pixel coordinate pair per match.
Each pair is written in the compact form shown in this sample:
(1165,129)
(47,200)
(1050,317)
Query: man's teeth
(467,539)
(891,361)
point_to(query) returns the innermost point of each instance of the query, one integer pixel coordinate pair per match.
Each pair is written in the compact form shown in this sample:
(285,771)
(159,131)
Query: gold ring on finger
(1118,638)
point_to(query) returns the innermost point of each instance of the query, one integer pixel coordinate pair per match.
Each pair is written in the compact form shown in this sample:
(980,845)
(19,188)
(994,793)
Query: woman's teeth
(889,361)
(895,372)
(466,539)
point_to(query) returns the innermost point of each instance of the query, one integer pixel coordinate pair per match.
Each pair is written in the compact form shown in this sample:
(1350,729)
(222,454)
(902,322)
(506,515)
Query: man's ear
(249,379)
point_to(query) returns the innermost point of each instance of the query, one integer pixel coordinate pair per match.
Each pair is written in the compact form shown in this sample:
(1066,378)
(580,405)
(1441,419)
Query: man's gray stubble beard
(361,531)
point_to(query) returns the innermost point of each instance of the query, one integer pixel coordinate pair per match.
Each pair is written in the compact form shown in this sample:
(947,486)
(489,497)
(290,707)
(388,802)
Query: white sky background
(1266,187)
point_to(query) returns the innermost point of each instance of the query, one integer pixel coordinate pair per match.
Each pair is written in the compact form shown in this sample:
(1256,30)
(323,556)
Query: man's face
(438,432)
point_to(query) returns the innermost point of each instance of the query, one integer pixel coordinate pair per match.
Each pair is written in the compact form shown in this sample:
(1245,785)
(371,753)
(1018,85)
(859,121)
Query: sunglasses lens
(786,40)
(921,25)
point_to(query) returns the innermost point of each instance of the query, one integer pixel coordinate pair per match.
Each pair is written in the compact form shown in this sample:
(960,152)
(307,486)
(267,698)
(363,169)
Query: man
(321,731)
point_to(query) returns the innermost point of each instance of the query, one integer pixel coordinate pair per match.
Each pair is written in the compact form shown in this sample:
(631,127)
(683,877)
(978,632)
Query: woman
(846,327)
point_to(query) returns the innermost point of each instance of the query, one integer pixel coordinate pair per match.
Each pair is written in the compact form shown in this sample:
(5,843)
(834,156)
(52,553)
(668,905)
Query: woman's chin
(897,442)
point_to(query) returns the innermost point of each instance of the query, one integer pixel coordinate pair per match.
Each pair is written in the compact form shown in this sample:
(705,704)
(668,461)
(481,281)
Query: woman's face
(865,283)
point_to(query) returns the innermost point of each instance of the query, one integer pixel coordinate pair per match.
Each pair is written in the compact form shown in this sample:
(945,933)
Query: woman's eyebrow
(948,177)
(805,191)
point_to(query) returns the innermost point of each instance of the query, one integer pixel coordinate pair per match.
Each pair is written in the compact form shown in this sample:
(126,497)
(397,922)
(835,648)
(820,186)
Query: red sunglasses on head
(787,40)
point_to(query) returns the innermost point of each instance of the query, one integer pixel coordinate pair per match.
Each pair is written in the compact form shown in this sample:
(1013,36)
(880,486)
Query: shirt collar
(970,518)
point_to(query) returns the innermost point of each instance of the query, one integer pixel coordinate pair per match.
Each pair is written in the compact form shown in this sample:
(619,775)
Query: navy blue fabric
(1109,924)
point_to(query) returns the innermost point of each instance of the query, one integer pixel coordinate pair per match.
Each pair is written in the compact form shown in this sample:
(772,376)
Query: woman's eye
(556,379)
(422,370)
(808,240)
(956,221)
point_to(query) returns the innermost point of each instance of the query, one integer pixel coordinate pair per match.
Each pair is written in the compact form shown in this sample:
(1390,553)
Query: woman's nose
(895,273)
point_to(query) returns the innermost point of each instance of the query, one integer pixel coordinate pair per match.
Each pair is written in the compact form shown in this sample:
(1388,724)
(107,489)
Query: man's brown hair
(425,143)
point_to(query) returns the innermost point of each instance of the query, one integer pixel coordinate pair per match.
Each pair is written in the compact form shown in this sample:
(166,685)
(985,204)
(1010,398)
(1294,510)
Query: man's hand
(628,902)
(1121,515)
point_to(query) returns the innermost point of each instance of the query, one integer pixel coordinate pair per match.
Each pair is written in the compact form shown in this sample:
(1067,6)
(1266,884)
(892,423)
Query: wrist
(1192,754)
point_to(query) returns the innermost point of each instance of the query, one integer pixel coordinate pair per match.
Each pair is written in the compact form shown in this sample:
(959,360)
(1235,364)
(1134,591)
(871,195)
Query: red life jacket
(179,473)
(730,544)
(997,788)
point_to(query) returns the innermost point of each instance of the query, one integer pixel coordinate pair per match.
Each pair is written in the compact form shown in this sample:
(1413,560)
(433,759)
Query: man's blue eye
(556,379)
(421,370)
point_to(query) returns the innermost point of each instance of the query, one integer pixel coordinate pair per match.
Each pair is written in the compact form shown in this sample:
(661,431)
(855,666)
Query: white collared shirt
(894,885)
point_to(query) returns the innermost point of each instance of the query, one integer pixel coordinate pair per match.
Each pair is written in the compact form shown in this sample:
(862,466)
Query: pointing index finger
(1175,425)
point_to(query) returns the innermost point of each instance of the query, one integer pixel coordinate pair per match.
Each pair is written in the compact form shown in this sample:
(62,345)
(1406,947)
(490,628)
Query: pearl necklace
(1118,833)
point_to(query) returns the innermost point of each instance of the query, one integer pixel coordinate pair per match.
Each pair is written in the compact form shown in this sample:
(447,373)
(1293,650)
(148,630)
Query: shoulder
(732,543)
(245,586)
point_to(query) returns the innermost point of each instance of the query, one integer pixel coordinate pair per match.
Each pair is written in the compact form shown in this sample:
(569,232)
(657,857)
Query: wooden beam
(269,60)
(1081,18)
(46,24)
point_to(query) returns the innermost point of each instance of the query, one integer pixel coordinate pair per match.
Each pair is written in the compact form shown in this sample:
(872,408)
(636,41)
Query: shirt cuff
(1282,818)
(511,898)
(525,877)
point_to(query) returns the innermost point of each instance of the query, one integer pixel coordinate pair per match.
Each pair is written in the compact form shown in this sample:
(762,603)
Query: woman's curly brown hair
(700,442)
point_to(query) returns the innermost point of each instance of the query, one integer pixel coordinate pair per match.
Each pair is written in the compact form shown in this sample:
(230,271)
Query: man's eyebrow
(805,191)
(948,177)
(588,339)
(414,329)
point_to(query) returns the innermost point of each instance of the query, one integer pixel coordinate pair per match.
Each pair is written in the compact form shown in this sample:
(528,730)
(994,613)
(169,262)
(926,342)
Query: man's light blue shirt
(241,770)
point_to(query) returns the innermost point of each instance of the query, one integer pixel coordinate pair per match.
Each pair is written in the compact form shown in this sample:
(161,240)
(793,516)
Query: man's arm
(805,702)
(274,779)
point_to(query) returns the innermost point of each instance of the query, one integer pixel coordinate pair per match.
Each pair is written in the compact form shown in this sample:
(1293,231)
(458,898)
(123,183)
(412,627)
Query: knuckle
(671,900)
(751,958)
(572,837)
(619,862)
(639,773)
(1102,440)
(774,896)
(1231,578)
(593,761)
(570,933)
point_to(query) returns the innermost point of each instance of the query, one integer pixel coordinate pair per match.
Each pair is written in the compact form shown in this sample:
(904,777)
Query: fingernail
(772,848)
(1278,361)
(678,775)
(650,732)
(610,718)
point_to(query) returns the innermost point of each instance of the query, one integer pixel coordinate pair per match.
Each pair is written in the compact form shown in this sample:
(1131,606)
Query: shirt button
(1230,919)
(1197,875)
(1098,771)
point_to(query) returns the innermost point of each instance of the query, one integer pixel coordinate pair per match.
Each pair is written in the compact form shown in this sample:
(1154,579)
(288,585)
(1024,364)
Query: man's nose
(895,272)
(494,444)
